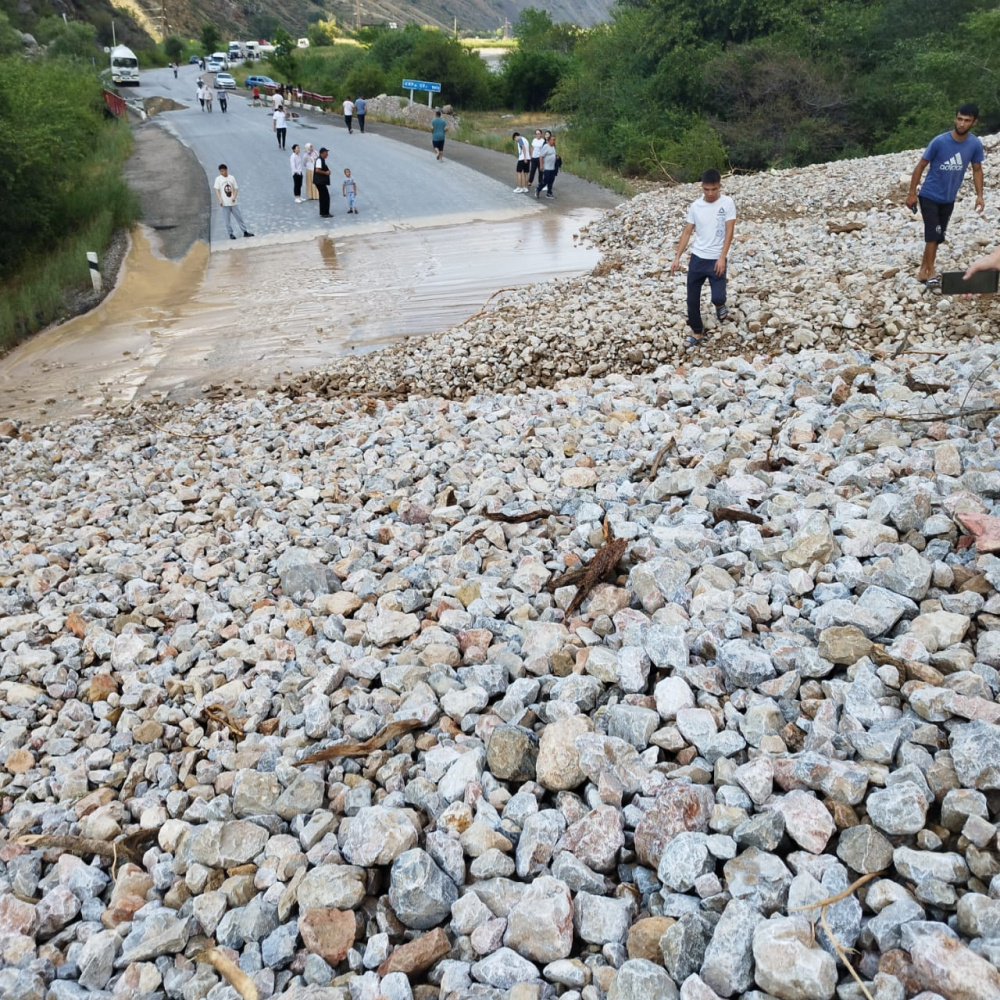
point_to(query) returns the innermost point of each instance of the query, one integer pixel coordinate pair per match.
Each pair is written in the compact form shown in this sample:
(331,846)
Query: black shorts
(437,143)
(935,215)
(523,166)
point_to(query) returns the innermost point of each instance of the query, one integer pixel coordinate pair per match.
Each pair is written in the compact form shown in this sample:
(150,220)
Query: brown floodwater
(258,313)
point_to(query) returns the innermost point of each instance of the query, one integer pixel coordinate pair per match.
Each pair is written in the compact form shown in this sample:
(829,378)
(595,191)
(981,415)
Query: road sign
(434,88)
(431,88)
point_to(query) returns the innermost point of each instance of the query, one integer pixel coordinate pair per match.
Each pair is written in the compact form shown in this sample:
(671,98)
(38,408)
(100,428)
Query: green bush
(64,194)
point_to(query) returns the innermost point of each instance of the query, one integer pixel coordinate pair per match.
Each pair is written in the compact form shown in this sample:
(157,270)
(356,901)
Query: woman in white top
(536,151)
(297,164)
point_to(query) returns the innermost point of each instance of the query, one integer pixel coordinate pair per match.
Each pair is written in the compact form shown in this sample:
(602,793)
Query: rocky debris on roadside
(767,740)
(793,285)
(399,110)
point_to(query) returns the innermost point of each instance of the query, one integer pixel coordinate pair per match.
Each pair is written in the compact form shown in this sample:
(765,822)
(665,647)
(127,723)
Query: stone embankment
(635,685)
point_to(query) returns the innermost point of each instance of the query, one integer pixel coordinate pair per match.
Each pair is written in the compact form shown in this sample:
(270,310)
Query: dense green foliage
(673,86)
(389,56)
(60,174)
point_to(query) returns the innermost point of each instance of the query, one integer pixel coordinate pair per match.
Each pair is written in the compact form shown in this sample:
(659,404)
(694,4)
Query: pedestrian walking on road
(277,99)
(438,128)
(321,178)
(226,191)
(536,149)
(201,94)
(310,164)
(256,96)
(948,155)
(223,100)
(361,109)
(523,154)
(712,221)
(208,99)
(349,115)
(349,189)
(173,66)
(297,167)
(547,174)
(279,127)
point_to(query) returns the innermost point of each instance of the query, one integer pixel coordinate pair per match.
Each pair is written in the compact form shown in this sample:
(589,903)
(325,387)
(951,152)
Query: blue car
(259,81)
(194,60)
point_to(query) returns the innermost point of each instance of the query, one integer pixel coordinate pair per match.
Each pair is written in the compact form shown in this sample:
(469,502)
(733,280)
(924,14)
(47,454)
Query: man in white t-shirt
(226,192)
(279,125)
(349,115)
(277,100)
(712,220)
(523,155)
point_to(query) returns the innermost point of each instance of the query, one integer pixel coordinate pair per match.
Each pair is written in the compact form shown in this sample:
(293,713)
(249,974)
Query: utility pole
(357,15)
(456,27)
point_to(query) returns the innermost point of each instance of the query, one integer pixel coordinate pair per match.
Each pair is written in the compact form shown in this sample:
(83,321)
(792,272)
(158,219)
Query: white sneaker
(518,190)
(298,201)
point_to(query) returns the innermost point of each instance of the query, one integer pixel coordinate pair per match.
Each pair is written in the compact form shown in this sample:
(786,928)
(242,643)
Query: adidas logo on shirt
(955,163)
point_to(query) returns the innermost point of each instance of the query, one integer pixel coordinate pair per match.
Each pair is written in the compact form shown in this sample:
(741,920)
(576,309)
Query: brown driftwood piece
(847,227)
(83,847)
(229,971)
(603,563)
(379,740)
(733,514)
(531,515)
(220,714)
(915,385)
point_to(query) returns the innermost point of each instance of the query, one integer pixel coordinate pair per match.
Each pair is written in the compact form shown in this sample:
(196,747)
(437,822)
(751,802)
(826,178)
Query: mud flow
(265,312)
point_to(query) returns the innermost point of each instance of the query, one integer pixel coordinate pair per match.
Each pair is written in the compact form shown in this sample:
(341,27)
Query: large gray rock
(728,963)
(639,979)
(683,944)
(683,860)
(420,894)
(226,845)
(339,886)
(504,969)
(377,835)
(540,925)
(788,964)
(681,806)
(899,809)
(162,932)
(759,878)
(863,849)
(975,752)
(299,570)
(96,959)
(947,966)
(602,919)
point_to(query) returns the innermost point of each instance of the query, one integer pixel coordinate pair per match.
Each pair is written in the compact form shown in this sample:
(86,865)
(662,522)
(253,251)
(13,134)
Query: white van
(221,58)
(124,65)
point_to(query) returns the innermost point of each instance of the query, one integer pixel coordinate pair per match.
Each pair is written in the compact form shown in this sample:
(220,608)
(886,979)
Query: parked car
(194,60)
(224,80)
(213,66)
(259,81)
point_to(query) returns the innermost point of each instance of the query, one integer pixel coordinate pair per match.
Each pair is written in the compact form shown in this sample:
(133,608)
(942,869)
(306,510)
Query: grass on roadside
(103,203)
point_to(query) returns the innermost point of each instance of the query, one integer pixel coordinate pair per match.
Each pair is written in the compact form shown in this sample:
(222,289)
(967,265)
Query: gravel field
(603,679)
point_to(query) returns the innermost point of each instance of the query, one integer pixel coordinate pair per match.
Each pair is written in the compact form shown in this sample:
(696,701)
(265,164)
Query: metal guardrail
(307,96)
(115,104)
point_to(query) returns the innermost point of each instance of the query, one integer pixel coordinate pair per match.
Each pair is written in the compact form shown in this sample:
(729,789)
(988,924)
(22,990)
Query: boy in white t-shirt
(712,220)
(523,155)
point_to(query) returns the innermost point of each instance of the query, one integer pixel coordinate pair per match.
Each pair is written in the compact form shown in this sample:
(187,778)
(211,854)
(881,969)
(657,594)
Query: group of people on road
(313,170)
(355,109)
(537,158)
(711,219)
(205,94)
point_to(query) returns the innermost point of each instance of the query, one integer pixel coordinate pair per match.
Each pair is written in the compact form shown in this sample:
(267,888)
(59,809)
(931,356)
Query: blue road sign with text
(434,88)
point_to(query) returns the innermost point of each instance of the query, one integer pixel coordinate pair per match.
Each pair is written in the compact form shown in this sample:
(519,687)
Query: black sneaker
(248,234)
(231,236)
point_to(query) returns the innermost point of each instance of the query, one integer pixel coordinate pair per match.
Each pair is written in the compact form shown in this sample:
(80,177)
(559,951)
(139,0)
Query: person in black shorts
(438,128)
(946,158)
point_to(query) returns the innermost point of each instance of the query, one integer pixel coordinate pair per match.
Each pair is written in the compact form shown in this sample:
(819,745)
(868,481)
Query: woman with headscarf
(310,158)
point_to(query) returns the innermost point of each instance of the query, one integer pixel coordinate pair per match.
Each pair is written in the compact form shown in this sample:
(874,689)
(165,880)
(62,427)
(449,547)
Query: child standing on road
(349,189)
(712,221)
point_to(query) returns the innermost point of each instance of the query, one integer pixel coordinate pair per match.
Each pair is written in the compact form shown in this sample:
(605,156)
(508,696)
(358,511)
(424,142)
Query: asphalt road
(401,184)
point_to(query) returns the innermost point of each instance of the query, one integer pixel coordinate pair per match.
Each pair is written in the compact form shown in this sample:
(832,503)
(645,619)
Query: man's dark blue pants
(698,270)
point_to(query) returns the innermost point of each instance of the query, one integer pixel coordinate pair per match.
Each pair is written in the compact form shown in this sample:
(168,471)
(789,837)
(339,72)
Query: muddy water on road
(262,313)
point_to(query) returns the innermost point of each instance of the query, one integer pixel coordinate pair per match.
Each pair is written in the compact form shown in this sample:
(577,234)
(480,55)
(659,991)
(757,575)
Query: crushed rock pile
(793,284)
(285,713)
(392,108)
